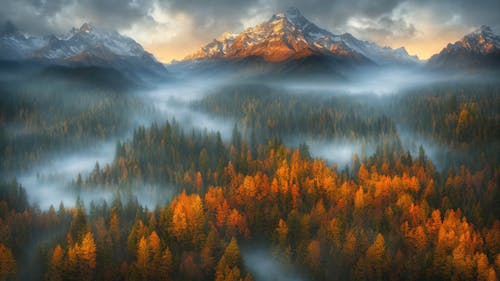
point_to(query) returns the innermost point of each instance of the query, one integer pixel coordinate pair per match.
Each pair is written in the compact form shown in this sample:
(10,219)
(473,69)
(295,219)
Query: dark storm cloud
(31,15)
(336,13)
(213,16)
(393,18)
(471,12)
(46,16)
(116,14)
(382,28)
(216,15)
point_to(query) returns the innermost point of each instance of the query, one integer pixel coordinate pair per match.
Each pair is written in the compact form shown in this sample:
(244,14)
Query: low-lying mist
(434,151)
(49,184)
(173,101)
(339,152)
(52,183)
(374,82)
(264,267)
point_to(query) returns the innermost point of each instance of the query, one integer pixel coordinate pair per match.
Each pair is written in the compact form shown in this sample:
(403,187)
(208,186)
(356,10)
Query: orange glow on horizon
(423,48)
(166,54)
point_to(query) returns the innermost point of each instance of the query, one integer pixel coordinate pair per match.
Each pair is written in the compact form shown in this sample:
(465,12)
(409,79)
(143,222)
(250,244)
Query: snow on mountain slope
(16,45)
(480,48)
(378,54)
(87,45)
(482,41)
(289,36)
(88,37)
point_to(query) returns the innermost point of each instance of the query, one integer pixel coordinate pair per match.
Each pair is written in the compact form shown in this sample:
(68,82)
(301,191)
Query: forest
(418,199)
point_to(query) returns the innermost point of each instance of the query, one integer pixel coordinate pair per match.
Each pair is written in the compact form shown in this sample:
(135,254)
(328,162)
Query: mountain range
(290,36)
(84,46)
(477,50)
(287,43)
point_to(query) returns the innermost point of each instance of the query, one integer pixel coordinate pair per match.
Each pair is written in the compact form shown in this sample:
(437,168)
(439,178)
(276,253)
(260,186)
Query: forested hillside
(388,216)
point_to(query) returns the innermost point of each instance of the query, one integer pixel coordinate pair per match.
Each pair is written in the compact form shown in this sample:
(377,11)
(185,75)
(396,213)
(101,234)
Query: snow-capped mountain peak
(87,45)
(293,13)
(482,40)
(87,38)
(16,45)
(477,49)
(293,16)
(484,30)
(87,27)
(288,35)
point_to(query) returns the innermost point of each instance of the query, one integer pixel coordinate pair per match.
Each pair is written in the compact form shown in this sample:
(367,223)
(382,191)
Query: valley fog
(203,125)
(266,267)
(171,102)
(291,147)
(50,183)
(339,152)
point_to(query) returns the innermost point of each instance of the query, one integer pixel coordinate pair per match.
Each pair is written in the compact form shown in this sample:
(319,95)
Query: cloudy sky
(171,29)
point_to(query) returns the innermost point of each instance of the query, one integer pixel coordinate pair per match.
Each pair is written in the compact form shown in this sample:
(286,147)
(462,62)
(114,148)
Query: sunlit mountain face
(479,49)
(290,36)
(291,147)
(288,44)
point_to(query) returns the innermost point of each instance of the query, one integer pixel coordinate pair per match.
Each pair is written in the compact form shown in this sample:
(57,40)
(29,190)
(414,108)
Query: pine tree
(56,265)
(87,256)
(166,265)
(229,265)
(155,256)
(232,253)
(142,258)
(375,258)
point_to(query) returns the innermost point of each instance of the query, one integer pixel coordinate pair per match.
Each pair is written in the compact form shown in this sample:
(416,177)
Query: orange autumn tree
(87,256)
(375,258)
(56,265)
(188,219)
(7,263)
(230,264)
(79,262)
(142,258)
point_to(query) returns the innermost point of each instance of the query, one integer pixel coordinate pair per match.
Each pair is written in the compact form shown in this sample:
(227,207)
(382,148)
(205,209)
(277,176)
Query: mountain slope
(85,46)
(380,55)
(290,36)
(479,49)
(15,45)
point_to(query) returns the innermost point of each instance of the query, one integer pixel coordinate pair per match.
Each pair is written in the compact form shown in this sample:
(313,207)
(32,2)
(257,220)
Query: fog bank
(264,267)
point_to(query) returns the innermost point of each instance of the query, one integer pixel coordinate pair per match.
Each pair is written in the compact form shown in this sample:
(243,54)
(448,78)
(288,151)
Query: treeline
(39,115)
(456,115)
(167,155)
(163,155)
(389,216)
(463,120)
(264,112)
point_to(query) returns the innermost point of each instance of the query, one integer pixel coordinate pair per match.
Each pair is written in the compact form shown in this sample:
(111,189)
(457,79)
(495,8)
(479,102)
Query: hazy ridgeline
(380,178)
